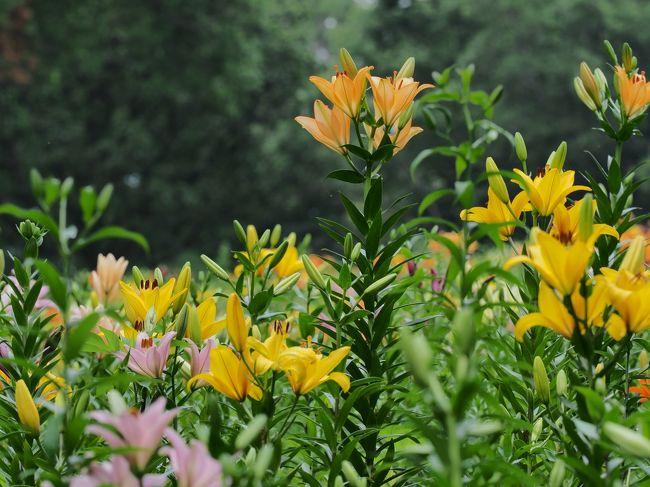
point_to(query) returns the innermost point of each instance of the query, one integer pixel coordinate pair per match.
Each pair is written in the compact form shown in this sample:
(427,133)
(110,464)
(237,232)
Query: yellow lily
(393,96)
(399,137)
(634,92)
(307,369)
(330,126)
(266,355)
(566,223)
(138,301)
(555,316)
(562,267)
(207,314)
(236,324)
(27,411)
(290,263)
(497,212)
(344,92)
(549,189)
(229,375)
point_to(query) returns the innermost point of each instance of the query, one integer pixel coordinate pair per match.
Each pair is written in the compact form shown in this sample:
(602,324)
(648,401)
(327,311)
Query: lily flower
(199,359)
(228,375)
(148,295)
(561,267)
(634,92)
(393,96)
(146,358)
(629,293)
(306,369)
(115,471)
(290,263)
(236,324)
(266,355)
(497,212)
(139,431)
(549,189)
(566,223)
(399,137)
(330,126)
(27,411)
(643,390)
(192,465)
(344,92)
(105,280)
(554,315)
(207,314)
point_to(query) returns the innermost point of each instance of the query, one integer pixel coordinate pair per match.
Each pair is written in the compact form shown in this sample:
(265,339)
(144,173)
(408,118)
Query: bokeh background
(187,107)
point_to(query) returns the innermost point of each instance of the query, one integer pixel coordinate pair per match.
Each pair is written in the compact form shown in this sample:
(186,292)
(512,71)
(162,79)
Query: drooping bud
(635,256)
(496,182)
(627,58)
(590,84)
(580,90)
(239,231)
(182,285)
(313,272)
(27,412)
(559,156)
(407,69)
(276,234)
(347,63)
(561,384)
(643,361)
(215,268)
(542,384)
(627,440)
(379,284)
(520,147)
(586,219)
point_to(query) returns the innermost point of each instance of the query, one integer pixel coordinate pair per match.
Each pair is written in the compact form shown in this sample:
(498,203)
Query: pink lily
(140,431)
(116,471)
(193,466)
(146,358)
(199,360)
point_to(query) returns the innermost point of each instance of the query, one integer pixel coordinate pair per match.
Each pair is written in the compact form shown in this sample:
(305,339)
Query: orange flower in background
(634,92)
(393,96)
(105,280)
(344,92)
(635,231)
(643,390)
(330,126)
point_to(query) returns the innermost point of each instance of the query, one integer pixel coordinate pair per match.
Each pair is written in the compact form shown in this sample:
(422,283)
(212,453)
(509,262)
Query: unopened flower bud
(182,321)
(601,80)
(583,95)
(251,237)
(291,238)
(627,58)
(496,182)
(464,330)
(406,117)
(356,252)
(542,384)
(627,440)
(276,234)
(182,286)
(285,284)
(2,262)
(556,478)
(239,231)
(417,353)
(194,326)
(27,412)
(643,360)
(352,476)
(586,218)
(138,277)
(104,197)
(158,276)
(36,181)
(537,430)
(347,63)
(313,272)
(347,245)
(609,49)
(66,187)
(407,69)
(264,239)
(278,254)
(634,256)
(520,147)
(215,268)
(255,332)
(590,84)
(559,156)
(561,384)
(379,284)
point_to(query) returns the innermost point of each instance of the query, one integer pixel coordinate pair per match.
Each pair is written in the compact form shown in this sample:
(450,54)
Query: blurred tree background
(187,107)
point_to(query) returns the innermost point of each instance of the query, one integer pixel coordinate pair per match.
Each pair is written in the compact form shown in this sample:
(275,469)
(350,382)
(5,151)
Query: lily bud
(215,268)
(379,284)
(542,384)
(36,181)
(158,276)
(347,245)
(182,285)
(27,412)
(356,252)
(406,117)
(291,238)
(417,353)
(194,326)
(601,382)
(104,197)
(496,182)
(520,147)
(285,284)
(138,277)
(601,80)
(276,234)
(182,321)
(264,239)
(590,84)
(561,384)
(255,332)
(635,256)
(464,330)
(407,69)
(559,156)
(557,474)
(537,430)
(609,49)
(352,476)
(586,218)
(313,272)
(627,440)
(66,187)
(239,231)
(236,324)
(643,360)
(347,63)
(251,237)
(532,238)
(580,90)
(627,58)
(2,262)
(251,432)
(278,254)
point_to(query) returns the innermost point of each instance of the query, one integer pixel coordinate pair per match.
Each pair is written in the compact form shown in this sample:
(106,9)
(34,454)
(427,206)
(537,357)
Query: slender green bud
(627,440)
(580,90)
(278,254)
(347,246)
(586,218)
(215,268)
(262,462)
(520,147)
(182,285)
(285,284)
(609,49)
(347,63)
(251,432)
(356,252)
(496,182)
(643,360)
(379,284)
(352,476)
(81,406)
(313,272)
(537,430)
(66,187)
(158,276)
(542,384)
(264,239)
(417,353)
(2,262)
(635,256)
(36,181)
(194,325)
(251,237)
(406,117)
(464,330)
(601,80)
(276,234)
(291,238)
(239,231)
(590,84)
(407,69)
(561,384)
(138,277)
(182,321)
(627,58)
(559,156)
(556,479)
(104,197)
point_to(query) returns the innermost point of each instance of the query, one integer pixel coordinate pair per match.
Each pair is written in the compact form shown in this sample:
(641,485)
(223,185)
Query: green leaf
(260,302)
(51,277)
(87,200)
(355,215)
(78,333)
(358,151)
(37,216)
(346,175)
(112,232)
(372,204)
(432,197)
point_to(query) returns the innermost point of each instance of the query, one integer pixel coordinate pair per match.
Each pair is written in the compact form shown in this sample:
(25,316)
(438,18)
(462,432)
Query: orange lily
(634,92)
(344,92)
(392,96)
(398,137)
(330,127)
